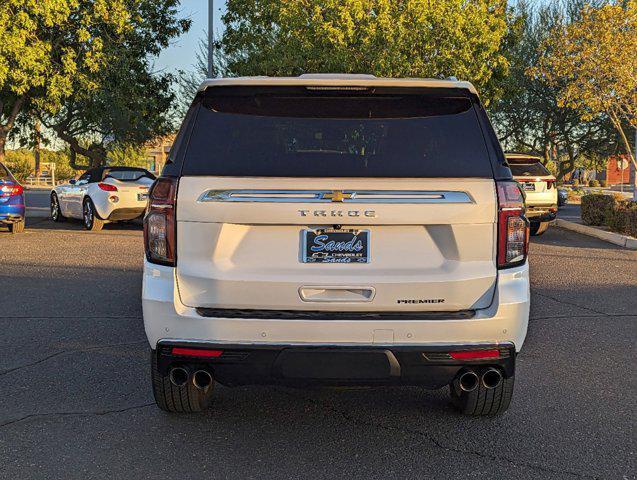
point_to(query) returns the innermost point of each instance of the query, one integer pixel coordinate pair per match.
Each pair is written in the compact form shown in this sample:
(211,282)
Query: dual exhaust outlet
(201,379)
(469,380)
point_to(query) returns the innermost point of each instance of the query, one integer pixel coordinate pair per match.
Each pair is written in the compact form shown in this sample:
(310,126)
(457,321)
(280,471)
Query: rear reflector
(196,352)
(474,354)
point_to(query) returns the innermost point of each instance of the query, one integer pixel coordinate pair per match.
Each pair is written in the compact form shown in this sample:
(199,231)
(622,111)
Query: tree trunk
(3,142)
(8,125)
(37,148)
(96,154)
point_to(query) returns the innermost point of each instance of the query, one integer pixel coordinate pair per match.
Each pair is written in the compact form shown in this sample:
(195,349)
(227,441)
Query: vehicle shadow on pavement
(566,238)
(40,223)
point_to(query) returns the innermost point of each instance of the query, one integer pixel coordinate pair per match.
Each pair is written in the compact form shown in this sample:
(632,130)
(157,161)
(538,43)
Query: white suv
(336,229)
(540,189)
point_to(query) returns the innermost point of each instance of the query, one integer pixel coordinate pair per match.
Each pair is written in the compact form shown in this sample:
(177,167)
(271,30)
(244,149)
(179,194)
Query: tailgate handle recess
(337,294)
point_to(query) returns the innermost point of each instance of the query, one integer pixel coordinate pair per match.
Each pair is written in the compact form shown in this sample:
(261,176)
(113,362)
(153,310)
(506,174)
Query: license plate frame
(350,240)
(529,187)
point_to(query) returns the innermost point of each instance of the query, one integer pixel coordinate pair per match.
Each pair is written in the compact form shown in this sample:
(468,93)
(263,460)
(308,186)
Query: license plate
(335,246)
(142,197)
(529,187)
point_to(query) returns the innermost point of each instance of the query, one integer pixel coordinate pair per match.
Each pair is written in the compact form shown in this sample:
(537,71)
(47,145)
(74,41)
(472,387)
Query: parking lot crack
(74,414)
(63,352)
(572,304)
(570,317)
(411,431)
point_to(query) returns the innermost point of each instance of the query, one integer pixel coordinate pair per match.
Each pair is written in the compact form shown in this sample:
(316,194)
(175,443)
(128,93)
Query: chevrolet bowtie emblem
(337,196)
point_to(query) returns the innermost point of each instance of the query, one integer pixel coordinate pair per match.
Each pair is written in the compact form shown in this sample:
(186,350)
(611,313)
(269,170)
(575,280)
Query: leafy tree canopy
(83,67)
(594,60)
(529,116)
(410,38)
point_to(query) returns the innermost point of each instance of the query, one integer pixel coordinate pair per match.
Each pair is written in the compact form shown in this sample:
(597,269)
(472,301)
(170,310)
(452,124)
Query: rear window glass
(528,170)
(323,134)
(129,175)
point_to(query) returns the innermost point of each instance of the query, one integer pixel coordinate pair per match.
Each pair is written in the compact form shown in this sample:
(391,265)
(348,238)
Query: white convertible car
(102,195)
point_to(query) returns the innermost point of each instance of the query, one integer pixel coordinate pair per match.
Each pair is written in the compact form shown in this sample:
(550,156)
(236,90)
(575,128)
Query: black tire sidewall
(58,209)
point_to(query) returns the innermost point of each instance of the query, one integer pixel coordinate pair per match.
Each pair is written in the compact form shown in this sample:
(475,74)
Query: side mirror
(72,181)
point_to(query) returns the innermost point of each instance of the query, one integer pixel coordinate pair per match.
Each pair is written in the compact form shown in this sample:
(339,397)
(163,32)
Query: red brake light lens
(475,354)
(11,190)
(550,184)
(160,223)
(513,227)
(107,187)
(196,352)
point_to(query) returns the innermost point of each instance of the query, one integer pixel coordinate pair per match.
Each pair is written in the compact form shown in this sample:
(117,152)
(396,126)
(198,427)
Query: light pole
(211,36)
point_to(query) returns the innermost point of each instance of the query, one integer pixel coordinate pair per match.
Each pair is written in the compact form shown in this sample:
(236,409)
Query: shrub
(602,183)
(622,218)
(20,163)
(594,208)
(593,183)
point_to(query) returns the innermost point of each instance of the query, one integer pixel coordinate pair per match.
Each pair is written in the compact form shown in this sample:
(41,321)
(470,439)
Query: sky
(182,54)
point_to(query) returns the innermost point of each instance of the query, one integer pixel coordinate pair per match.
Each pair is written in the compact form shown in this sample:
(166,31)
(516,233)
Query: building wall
(615,174)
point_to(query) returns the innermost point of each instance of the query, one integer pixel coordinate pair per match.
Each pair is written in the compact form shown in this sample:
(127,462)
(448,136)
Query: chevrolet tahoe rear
(336,230)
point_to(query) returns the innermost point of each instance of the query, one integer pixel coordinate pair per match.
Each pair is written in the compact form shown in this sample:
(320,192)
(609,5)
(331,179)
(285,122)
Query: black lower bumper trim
(125,213)
(541,215)
(327,315)
(431,367)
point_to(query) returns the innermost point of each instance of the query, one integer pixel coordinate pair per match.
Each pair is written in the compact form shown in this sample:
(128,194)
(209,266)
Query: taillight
(11,190)
(107,187)
(550,184)
(513,227)
(159,222)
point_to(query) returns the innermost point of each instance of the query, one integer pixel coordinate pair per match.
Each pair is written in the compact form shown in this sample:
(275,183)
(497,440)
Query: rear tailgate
(436,255)
(405,172)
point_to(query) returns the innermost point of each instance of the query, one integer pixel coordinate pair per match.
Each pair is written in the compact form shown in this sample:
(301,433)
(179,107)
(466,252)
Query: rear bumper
(129,213)
(166,319)
(431,367)
(545,213)
(11,213)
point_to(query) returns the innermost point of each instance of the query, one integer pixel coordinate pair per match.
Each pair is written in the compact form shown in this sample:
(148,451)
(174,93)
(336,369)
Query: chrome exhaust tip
(202,379)
(491,378)
(468,381)
(178,376)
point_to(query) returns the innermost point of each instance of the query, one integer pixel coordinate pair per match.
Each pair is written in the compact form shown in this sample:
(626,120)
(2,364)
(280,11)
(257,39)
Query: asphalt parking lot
(76,398)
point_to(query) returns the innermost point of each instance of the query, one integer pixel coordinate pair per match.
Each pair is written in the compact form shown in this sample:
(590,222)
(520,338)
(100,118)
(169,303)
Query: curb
(611,237)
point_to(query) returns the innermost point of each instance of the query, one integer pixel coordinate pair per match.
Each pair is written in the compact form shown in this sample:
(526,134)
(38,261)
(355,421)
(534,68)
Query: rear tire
(538,228)
(91,221)
(56,211)
(483,401)
(173,399)
(17,227)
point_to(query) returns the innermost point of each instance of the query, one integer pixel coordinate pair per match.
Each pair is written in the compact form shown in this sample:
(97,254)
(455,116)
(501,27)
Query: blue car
(12,209)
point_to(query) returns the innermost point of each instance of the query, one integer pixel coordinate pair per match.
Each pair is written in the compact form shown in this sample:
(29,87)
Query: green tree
(127,156)
(528,116)
(47,50)
(21,162)
(84,69)
(411,38)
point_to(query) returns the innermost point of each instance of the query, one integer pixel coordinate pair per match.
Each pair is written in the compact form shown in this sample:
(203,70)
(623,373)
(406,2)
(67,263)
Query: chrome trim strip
(336,196)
